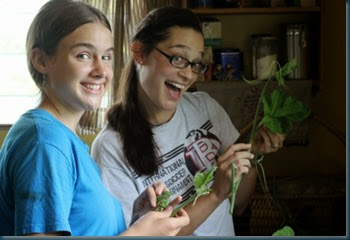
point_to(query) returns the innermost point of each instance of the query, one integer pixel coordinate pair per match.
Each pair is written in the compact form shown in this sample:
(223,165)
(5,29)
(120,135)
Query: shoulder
(33,142)
(107,142)
(196,96)
(34,126)
(199,100)
(37,129)
(107,136)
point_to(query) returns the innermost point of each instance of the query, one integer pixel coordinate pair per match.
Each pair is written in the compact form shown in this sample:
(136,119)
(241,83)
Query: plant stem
(183,204)
(255,129)
(234,187)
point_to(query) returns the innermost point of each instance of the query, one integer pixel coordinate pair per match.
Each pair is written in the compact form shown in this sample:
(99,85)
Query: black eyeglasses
(181,62)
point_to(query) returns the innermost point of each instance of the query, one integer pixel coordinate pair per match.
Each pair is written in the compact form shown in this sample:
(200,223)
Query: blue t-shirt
(49,182)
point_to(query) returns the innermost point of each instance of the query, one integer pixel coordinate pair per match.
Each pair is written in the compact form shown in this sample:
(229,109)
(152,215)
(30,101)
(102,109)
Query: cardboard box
(211,28)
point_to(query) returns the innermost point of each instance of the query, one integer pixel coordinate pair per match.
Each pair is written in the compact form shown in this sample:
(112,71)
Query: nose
(187,73)
(99,69)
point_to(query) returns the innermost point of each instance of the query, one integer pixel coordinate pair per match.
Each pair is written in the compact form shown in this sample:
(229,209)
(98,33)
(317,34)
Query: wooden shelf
(246,22)
(223,11)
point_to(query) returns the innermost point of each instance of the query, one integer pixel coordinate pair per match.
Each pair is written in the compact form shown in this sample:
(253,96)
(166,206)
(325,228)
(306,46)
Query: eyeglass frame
(187,62)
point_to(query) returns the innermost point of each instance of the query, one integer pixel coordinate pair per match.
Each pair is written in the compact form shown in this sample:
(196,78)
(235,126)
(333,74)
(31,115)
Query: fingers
(182,219)
(153,191)
(176,201)
(237,154)
(172,225)
(152,197)
(235,148)
(242,167)
(159,187)
(271,140)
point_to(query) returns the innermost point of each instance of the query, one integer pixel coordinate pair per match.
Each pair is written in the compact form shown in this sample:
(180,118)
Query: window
(18,91)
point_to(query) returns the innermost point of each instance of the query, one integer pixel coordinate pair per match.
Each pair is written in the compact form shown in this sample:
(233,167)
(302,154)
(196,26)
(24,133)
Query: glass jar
(264,52)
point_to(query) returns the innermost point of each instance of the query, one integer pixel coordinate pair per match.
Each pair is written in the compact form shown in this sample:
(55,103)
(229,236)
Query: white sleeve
(116,175)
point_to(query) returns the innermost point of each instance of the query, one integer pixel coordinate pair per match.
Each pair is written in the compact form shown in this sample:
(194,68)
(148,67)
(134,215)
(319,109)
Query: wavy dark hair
(125,116)
(55,20)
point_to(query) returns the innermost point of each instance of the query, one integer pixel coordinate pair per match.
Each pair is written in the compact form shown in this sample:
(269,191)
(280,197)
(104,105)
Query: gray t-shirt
(199,131)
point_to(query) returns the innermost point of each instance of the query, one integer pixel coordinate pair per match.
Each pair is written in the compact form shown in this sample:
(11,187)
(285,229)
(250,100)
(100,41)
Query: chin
(91,107)
(170,107)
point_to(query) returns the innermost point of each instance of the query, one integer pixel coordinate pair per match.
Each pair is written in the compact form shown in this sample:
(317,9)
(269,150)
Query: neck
(161,118)
(155,116)
(69,118)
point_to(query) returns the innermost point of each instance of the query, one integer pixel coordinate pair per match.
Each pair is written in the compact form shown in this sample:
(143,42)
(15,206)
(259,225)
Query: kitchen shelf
(224,11)
(238,24)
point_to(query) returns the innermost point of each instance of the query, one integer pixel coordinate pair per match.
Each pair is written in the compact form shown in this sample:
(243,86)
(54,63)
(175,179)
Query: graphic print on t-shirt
(198,153)
(201,148)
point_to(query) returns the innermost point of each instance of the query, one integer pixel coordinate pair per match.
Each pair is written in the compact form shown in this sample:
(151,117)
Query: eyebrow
(183,47)
(90,46)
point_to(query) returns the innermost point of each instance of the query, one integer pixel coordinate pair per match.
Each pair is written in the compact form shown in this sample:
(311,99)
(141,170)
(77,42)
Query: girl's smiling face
(79,73)
(161,85)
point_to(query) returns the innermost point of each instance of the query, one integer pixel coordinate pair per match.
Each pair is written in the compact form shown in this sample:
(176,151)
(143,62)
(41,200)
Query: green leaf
(280,112)
(163,200)
(294,110)
(254,81)
(285,70)
(269,73)
(285,231)
(277,125)
(202,180)
(273,102)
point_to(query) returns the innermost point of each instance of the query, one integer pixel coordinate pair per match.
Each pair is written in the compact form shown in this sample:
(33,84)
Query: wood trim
(5,126)
(223,11)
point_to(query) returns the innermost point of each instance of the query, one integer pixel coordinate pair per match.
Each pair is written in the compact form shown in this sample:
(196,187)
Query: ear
(39,60)
(137,51)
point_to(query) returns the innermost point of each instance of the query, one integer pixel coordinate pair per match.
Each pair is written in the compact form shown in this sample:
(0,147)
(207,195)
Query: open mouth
(174,86)
(94,87)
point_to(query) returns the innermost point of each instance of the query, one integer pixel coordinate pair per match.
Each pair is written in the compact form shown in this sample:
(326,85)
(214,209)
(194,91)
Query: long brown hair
(125,116)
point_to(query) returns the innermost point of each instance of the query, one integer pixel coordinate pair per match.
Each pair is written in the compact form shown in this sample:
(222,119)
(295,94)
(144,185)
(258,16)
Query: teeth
(177,85)
(93,86)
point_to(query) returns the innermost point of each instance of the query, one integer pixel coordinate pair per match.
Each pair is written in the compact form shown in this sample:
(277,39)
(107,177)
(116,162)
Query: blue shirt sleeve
(44,185)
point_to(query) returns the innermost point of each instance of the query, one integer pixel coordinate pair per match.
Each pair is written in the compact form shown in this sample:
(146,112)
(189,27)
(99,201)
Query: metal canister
(297,49)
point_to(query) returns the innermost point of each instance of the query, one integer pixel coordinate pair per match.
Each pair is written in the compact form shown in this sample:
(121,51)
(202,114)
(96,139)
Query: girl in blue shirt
(49,185)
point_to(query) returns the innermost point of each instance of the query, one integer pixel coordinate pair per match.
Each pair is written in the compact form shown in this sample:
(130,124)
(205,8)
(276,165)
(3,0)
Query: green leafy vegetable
(280,112)
(285,231)
(163,200)
(201,182)
(285,70)
(202,186)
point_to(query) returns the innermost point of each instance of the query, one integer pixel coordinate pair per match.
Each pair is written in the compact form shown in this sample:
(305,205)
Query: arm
(245,190)
(150,223)
(265,143)
(144,222)
(205,205)
(51,191)
(158,224)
